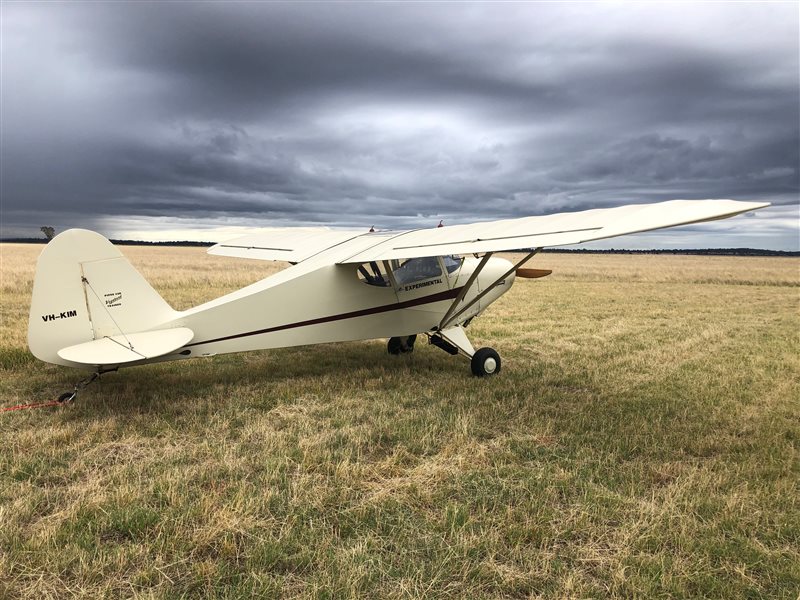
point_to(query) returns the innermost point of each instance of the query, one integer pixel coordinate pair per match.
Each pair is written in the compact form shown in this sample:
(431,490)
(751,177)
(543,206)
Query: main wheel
(401,345)
(485,361)
(394,346)
(410,343)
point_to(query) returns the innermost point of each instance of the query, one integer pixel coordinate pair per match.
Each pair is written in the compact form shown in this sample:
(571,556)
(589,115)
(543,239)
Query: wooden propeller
(533,273)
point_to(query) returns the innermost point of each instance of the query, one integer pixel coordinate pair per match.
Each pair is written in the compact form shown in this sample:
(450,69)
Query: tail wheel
(67,397)
(485,361)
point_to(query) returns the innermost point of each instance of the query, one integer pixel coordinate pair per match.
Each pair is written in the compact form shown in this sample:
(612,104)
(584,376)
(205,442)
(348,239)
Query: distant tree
(48,232)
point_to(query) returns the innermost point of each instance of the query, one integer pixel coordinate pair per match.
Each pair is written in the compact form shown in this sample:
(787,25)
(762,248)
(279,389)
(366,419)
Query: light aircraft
(92,310)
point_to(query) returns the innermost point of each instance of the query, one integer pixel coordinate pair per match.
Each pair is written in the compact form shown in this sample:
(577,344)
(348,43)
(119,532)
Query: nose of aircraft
(494,269)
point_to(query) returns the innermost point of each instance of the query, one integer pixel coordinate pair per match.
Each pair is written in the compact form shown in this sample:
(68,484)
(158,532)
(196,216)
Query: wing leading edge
(298,244)
(551,230)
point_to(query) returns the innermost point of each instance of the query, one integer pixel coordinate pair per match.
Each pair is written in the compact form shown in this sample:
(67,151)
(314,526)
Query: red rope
(34,405)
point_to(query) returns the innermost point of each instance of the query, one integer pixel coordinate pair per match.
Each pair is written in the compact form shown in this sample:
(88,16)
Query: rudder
(85,289)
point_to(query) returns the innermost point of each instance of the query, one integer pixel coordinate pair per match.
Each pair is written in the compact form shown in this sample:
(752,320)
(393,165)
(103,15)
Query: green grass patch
(640,442)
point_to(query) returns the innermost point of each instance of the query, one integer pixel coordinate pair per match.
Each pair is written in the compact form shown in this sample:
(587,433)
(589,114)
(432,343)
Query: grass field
(641,441)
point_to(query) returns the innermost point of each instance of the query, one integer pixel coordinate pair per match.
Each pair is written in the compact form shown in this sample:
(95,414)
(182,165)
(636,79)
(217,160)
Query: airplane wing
(550,230)
(292,244)
(298,244)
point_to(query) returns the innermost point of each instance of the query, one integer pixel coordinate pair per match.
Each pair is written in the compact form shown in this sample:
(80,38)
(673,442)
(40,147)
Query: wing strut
(464,290)
(449,317)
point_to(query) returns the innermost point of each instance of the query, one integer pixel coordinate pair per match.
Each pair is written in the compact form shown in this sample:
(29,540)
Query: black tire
(485,361)
(395,346)
(401,345)
(67,397)
(410,343)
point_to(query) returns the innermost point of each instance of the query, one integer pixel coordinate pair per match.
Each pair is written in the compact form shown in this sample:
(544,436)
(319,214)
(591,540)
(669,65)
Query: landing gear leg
(453,340)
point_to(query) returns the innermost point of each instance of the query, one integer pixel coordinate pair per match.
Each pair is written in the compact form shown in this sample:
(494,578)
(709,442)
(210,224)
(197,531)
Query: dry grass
(640,442)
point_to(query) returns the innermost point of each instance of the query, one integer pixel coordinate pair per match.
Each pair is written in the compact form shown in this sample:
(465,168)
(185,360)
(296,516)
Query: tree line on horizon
(49,233)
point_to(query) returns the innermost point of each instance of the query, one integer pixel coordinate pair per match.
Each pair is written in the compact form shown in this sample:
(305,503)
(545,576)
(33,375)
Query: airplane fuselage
(332,304)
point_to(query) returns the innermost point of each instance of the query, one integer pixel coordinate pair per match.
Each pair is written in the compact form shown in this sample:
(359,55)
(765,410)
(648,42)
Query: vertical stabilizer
(85,290)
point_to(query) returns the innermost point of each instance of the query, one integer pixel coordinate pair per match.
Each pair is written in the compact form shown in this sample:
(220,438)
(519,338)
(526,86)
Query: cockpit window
(371,273)
(452,263)
(416,269)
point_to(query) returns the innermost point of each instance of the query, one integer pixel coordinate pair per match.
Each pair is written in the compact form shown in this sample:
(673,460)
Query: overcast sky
(199,120)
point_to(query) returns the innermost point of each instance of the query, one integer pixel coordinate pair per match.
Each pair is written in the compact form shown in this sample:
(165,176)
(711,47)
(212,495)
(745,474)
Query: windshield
(417,269)
(452,263)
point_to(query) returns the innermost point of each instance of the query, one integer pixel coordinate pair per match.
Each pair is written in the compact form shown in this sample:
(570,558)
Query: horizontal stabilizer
(119,349)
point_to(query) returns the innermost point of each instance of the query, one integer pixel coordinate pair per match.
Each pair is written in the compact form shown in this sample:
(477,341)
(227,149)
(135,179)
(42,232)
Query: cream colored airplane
(92,310)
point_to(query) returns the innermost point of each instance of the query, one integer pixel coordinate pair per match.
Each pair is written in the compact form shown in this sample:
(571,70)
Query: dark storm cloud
(390,114)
